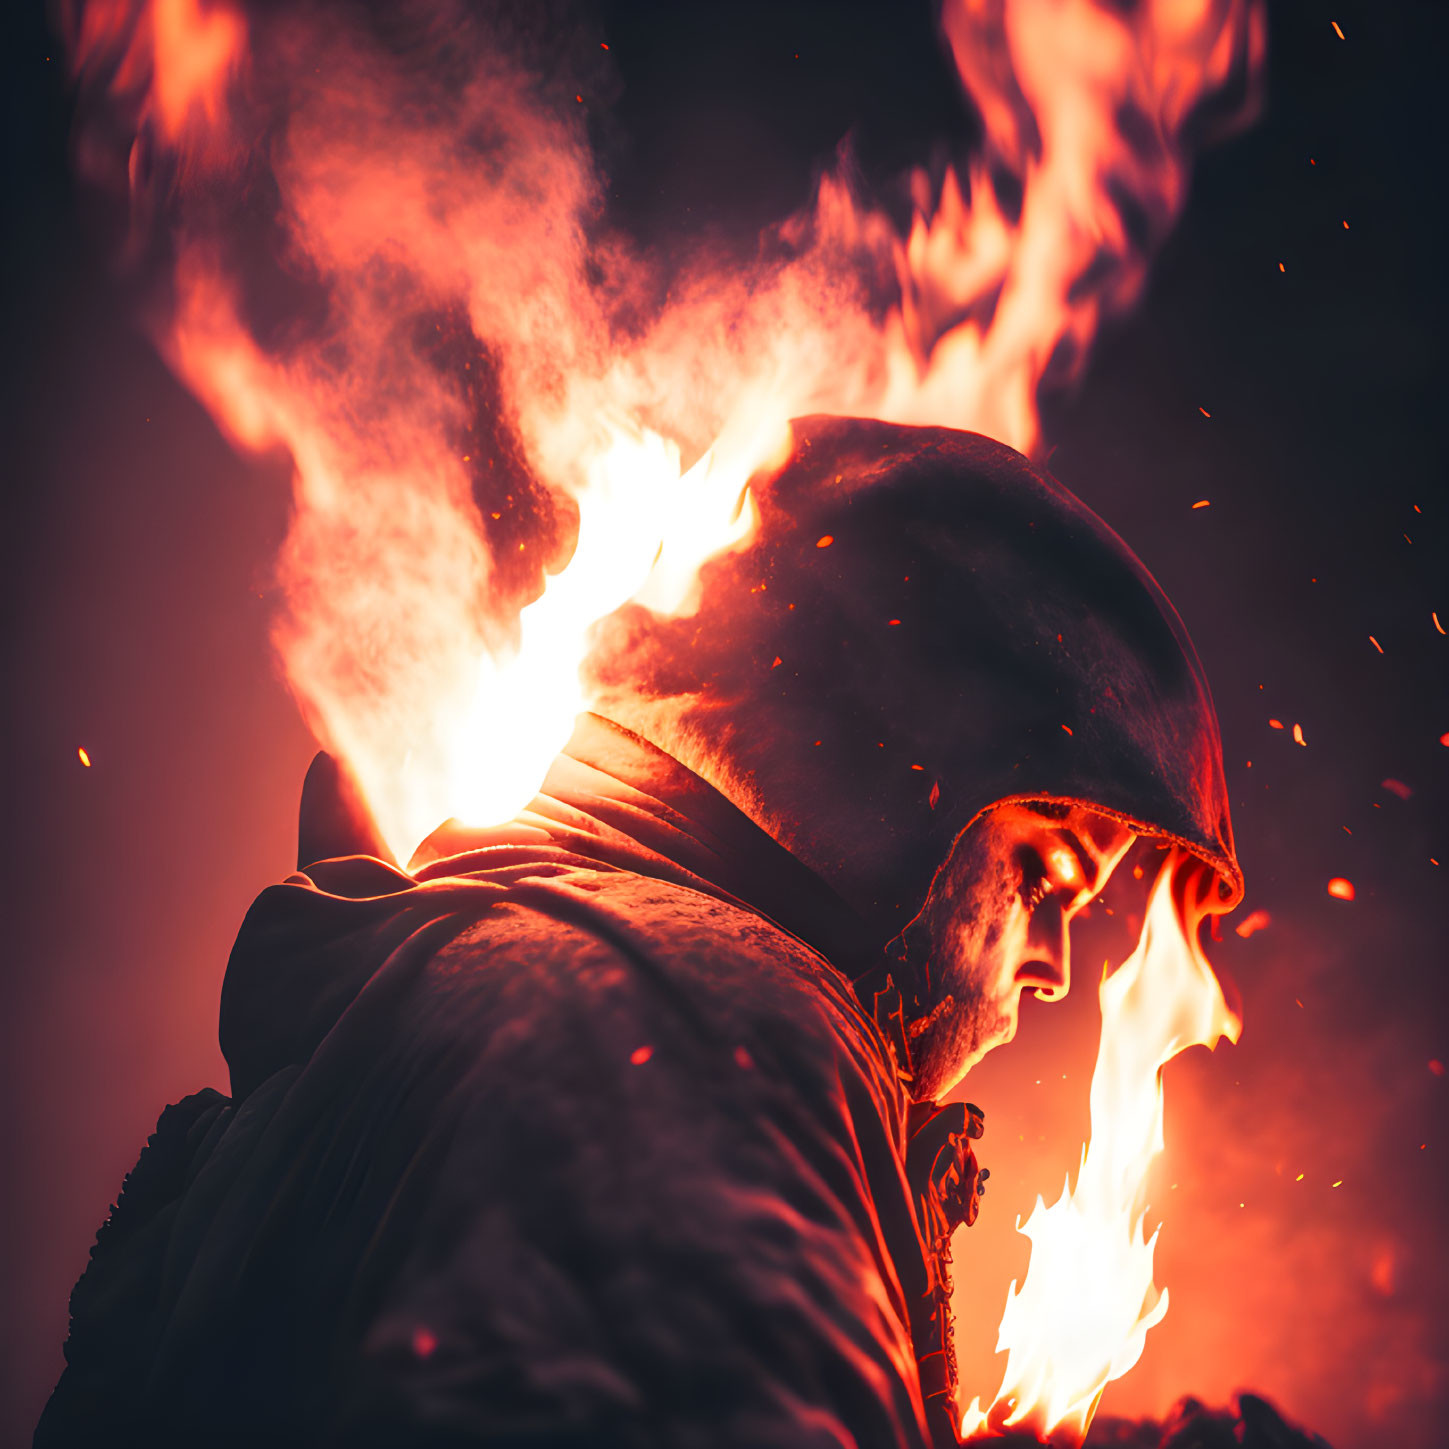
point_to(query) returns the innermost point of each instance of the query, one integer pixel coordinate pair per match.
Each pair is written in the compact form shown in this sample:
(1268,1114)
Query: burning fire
(644,531)
(401,204)
(452,299)
(1082,1315)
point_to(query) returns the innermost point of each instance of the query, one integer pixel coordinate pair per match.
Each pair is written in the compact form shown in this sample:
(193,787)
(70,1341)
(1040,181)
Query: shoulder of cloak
(355,939)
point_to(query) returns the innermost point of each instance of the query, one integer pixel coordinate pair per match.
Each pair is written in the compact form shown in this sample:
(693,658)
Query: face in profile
(995,924)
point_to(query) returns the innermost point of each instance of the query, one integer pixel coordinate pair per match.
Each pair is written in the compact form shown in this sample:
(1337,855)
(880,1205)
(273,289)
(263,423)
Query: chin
(946,1050)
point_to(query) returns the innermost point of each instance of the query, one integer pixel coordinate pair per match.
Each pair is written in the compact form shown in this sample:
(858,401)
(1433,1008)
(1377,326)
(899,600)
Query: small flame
(1082,1314)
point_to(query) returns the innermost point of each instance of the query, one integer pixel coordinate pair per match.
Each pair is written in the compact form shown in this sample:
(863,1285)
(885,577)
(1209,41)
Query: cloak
(576,1138)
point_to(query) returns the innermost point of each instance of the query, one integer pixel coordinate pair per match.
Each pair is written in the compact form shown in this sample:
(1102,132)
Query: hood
(923,626)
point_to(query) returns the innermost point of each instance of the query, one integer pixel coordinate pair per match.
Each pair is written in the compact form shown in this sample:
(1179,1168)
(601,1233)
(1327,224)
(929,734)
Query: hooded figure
(618,1124)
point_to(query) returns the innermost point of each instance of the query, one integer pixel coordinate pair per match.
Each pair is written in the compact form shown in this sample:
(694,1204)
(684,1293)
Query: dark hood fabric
(572,1140)
(925,625)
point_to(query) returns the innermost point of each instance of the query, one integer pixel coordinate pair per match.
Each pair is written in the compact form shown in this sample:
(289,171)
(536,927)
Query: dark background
(136,571)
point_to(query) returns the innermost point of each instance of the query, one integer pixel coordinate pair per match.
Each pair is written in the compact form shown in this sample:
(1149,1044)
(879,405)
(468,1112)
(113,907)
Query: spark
(1435,617)
(1341,889)
(825,540)
(1298,735)
(1338,30)
(1376,643)
(1250,925)
(1204,412)
(1275,724)
(1203,503)
(640,1055)
(83,756)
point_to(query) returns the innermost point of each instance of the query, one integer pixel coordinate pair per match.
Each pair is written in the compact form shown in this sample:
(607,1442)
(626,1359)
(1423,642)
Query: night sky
(1283,365)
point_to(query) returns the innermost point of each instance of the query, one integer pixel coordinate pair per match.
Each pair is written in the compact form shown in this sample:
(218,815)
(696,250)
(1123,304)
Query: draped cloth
(578,1137)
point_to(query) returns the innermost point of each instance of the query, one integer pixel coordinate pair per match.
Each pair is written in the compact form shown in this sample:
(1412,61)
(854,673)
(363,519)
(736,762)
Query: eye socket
(1036,880)
(1058,870)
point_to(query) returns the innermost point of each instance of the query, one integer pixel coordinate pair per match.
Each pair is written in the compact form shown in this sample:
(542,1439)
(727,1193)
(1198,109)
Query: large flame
(404,207)
(1081,1316)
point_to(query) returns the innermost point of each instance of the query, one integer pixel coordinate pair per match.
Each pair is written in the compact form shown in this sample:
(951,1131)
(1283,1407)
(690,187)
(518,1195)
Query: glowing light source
(1341,889)
(1088,1300)
(405,657)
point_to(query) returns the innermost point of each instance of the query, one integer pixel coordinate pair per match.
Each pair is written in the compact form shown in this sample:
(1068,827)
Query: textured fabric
(560,1145)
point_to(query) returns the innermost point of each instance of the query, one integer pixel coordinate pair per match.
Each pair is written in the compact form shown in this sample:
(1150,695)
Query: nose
(1046,964)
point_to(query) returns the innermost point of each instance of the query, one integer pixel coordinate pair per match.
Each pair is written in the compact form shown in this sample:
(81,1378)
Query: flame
(414,635)
(644,531)
(1082,1314)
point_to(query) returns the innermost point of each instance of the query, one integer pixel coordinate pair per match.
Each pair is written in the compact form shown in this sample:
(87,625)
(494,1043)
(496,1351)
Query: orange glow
(1341,889)
(1376,643)
(1435,617)
(172,60)
(1383,1273)
(198,47)
(1082,1314)
(1298,735)
(442,678)
(1202,503)
(1275,724)
(83,756)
